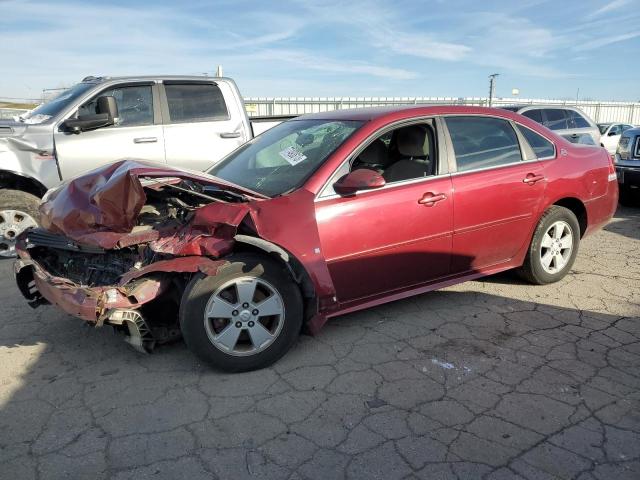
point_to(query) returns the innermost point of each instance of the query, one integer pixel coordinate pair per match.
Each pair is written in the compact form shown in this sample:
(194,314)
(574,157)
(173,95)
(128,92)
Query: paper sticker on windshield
(293,156)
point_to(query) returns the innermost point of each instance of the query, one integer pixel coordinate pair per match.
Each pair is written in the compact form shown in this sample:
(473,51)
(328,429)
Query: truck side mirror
(107,105)
(106,113)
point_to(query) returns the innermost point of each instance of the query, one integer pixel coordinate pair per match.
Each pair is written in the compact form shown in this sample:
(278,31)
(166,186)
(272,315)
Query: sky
(546,49)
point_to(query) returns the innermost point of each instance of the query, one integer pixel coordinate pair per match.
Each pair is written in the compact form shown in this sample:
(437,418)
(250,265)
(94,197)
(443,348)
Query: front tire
(244,318)
(553,248)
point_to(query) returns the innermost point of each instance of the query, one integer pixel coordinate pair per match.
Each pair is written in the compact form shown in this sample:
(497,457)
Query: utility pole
(492,87)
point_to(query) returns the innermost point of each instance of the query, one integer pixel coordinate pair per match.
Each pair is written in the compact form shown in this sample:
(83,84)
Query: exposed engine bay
(170,204)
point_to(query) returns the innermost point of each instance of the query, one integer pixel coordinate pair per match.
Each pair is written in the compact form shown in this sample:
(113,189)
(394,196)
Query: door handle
(532,178)
(230,135)
(145,140)
(429,199)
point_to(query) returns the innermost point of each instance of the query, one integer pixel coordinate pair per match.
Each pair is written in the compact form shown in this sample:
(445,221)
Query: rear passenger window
(556,119)
(577,121)
(535,115)
(481,142)
(195,103)
(542,147)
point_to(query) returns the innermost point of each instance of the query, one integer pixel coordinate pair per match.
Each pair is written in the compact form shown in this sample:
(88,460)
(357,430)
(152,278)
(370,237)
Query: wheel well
(578,209)
(245,243)
(14,181)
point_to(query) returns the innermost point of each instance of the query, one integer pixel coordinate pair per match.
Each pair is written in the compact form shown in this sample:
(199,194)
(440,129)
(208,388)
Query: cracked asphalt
(491,379)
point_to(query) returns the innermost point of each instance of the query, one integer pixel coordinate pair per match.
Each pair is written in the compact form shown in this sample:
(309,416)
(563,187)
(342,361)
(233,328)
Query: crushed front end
(120,244)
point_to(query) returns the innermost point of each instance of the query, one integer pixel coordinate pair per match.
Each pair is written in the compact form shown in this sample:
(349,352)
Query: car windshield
(44,112)
(603,127)
(282,158)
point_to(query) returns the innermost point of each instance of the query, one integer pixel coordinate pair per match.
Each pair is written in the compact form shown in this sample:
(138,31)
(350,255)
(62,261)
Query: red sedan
(322,215)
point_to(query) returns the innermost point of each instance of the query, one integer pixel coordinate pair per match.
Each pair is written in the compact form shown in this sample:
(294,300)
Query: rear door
(137,132)
(498,189)
(200,127)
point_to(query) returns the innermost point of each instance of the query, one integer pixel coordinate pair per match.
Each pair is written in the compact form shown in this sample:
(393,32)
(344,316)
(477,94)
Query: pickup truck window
(281,159)
(195,103)
(135,105)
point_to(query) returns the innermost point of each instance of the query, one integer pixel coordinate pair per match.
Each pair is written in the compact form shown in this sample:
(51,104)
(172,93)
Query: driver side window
(135,105)
(404,153)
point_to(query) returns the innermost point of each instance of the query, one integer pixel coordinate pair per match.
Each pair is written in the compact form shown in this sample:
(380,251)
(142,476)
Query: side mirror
(611,134)
(106,113)
(107,105)
(360,179)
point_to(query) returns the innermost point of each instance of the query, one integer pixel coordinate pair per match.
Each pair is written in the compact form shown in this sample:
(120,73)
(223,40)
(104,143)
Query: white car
(611,133)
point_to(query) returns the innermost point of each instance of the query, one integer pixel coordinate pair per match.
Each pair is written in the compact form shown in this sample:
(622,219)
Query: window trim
(440,148)
(164,104)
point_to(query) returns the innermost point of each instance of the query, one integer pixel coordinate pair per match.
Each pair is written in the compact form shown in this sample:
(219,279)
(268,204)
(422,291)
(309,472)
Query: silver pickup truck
(187,121)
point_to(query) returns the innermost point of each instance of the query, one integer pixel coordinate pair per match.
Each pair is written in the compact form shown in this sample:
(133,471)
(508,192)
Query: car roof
(402,111)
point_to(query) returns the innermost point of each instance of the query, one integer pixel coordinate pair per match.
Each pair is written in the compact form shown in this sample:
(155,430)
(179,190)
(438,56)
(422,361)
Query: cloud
(608,7)
(324,64)
(604,41)
(381,26)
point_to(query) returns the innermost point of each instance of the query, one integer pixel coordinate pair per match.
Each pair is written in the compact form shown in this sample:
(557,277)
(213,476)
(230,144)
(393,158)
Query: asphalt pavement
(492,379)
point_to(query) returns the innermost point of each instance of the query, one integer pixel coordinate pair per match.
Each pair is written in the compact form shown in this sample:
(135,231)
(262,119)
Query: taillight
(612,167)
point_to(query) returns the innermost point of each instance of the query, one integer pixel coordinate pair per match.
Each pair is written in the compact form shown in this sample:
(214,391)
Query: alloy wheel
(556,247)
(244,316)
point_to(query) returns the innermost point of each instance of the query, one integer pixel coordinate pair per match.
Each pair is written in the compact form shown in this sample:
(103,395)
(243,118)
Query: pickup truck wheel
(244,318)
(553,248)
(18,211)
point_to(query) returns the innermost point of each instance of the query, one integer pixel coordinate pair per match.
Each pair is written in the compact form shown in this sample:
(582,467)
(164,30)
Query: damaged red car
(322,215)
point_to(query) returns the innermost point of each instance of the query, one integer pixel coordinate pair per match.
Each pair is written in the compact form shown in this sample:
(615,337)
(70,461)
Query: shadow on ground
(488,379)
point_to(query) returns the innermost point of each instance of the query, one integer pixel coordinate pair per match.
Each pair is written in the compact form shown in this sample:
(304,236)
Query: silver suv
(568,122)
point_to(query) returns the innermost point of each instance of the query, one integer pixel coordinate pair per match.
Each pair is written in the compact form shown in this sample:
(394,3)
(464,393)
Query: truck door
(203,122)
(137,132)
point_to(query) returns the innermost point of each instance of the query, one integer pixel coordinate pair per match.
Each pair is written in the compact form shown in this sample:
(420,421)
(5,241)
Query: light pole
(492,87)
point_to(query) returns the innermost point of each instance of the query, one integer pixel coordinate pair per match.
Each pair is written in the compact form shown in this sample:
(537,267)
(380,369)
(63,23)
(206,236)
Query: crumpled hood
(108,200)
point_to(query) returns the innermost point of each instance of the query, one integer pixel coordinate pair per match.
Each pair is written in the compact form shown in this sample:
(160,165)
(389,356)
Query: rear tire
(553,248)
(18,211)
(244,318)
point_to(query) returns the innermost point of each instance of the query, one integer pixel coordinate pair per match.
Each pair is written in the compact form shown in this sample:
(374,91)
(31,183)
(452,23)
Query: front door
(385,240)
(136,134)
